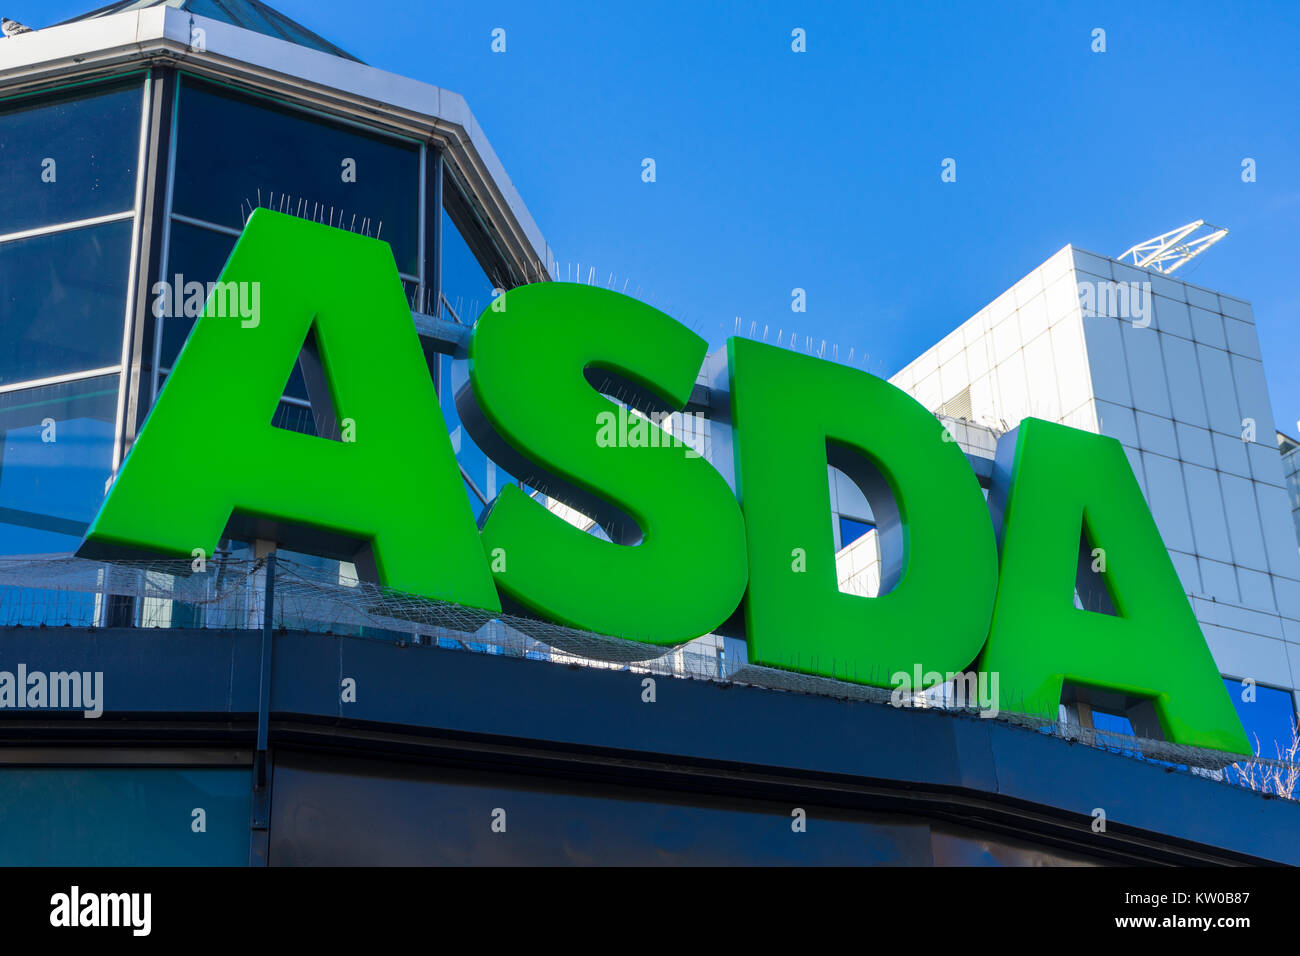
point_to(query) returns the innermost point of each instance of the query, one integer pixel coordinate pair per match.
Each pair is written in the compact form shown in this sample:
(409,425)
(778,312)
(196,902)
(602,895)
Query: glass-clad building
(125,176)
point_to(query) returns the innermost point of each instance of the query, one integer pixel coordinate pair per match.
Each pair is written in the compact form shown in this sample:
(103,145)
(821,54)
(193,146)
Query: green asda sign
(958,589)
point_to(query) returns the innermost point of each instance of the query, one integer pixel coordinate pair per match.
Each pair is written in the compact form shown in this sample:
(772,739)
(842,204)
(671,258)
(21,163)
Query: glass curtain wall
(67,229)
(69,162)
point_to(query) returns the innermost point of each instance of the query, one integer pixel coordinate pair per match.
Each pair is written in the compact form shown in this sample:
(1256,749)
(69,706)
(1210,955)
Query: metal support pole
(264,697)
(261,796)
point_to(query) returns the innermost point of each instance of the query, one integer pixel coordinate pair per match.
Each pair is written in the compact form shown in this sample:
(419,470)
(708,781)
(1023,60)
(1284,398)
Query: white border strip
(66,226)
(132,275)
(60,379)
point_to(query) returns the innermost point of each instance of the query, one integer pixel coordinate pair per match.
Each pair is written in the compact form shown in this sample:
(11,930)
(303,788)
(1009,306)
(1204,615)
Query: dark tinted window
(231,149)
(62,301)
(68,157)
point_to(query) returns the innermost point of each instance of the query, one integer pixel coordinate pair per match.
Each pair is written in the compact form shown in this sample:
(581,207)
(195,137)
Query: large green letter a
(1073,516)
(388,494)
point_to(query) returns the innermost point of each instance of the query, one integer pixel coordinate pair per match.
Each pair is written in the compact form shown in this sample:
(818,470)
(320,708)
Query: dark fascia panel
(960,766)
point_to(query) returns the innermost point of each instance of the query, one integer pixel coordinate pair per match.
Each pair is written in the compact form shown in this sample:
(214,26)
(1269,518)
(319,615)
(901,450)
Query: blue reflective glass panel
(464,283)
(63,301)
(1269,719)
(56,452)
(851,530)
(69,156)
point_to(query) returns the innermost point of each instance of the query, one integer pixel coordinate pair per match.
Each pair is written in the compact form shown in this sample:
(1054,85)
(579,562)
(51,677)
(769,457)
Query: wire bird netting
(229,593)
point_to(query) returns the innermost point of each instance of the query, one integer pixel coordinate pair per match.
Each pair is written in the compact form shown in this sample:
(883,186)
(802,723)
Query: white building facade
(1174,372)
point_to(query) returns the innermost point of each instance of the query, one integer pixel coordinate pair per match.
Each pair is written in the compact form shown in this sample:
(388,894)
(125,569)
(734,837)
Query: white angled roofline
(314,79)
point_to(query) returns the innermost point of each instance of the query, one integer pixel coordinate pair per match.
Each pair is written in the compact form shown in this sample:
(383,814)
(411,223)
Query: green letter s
(675,565)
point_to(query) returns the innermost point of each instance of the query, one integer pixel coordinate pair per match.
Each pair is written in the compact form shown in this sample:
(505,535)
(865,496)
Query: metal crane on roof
(1175,248)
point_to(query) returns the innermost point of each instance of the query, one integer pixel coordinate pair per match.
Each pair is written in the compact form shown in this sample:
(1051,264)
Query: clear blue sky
(821,170)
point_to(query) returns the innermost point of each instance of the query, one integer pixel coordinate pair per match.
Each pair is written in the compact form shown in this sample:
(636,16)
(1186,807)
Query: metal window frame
(164,260)
(149,246)
(92,78)
(60,379)
(65,226)
(132,275)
